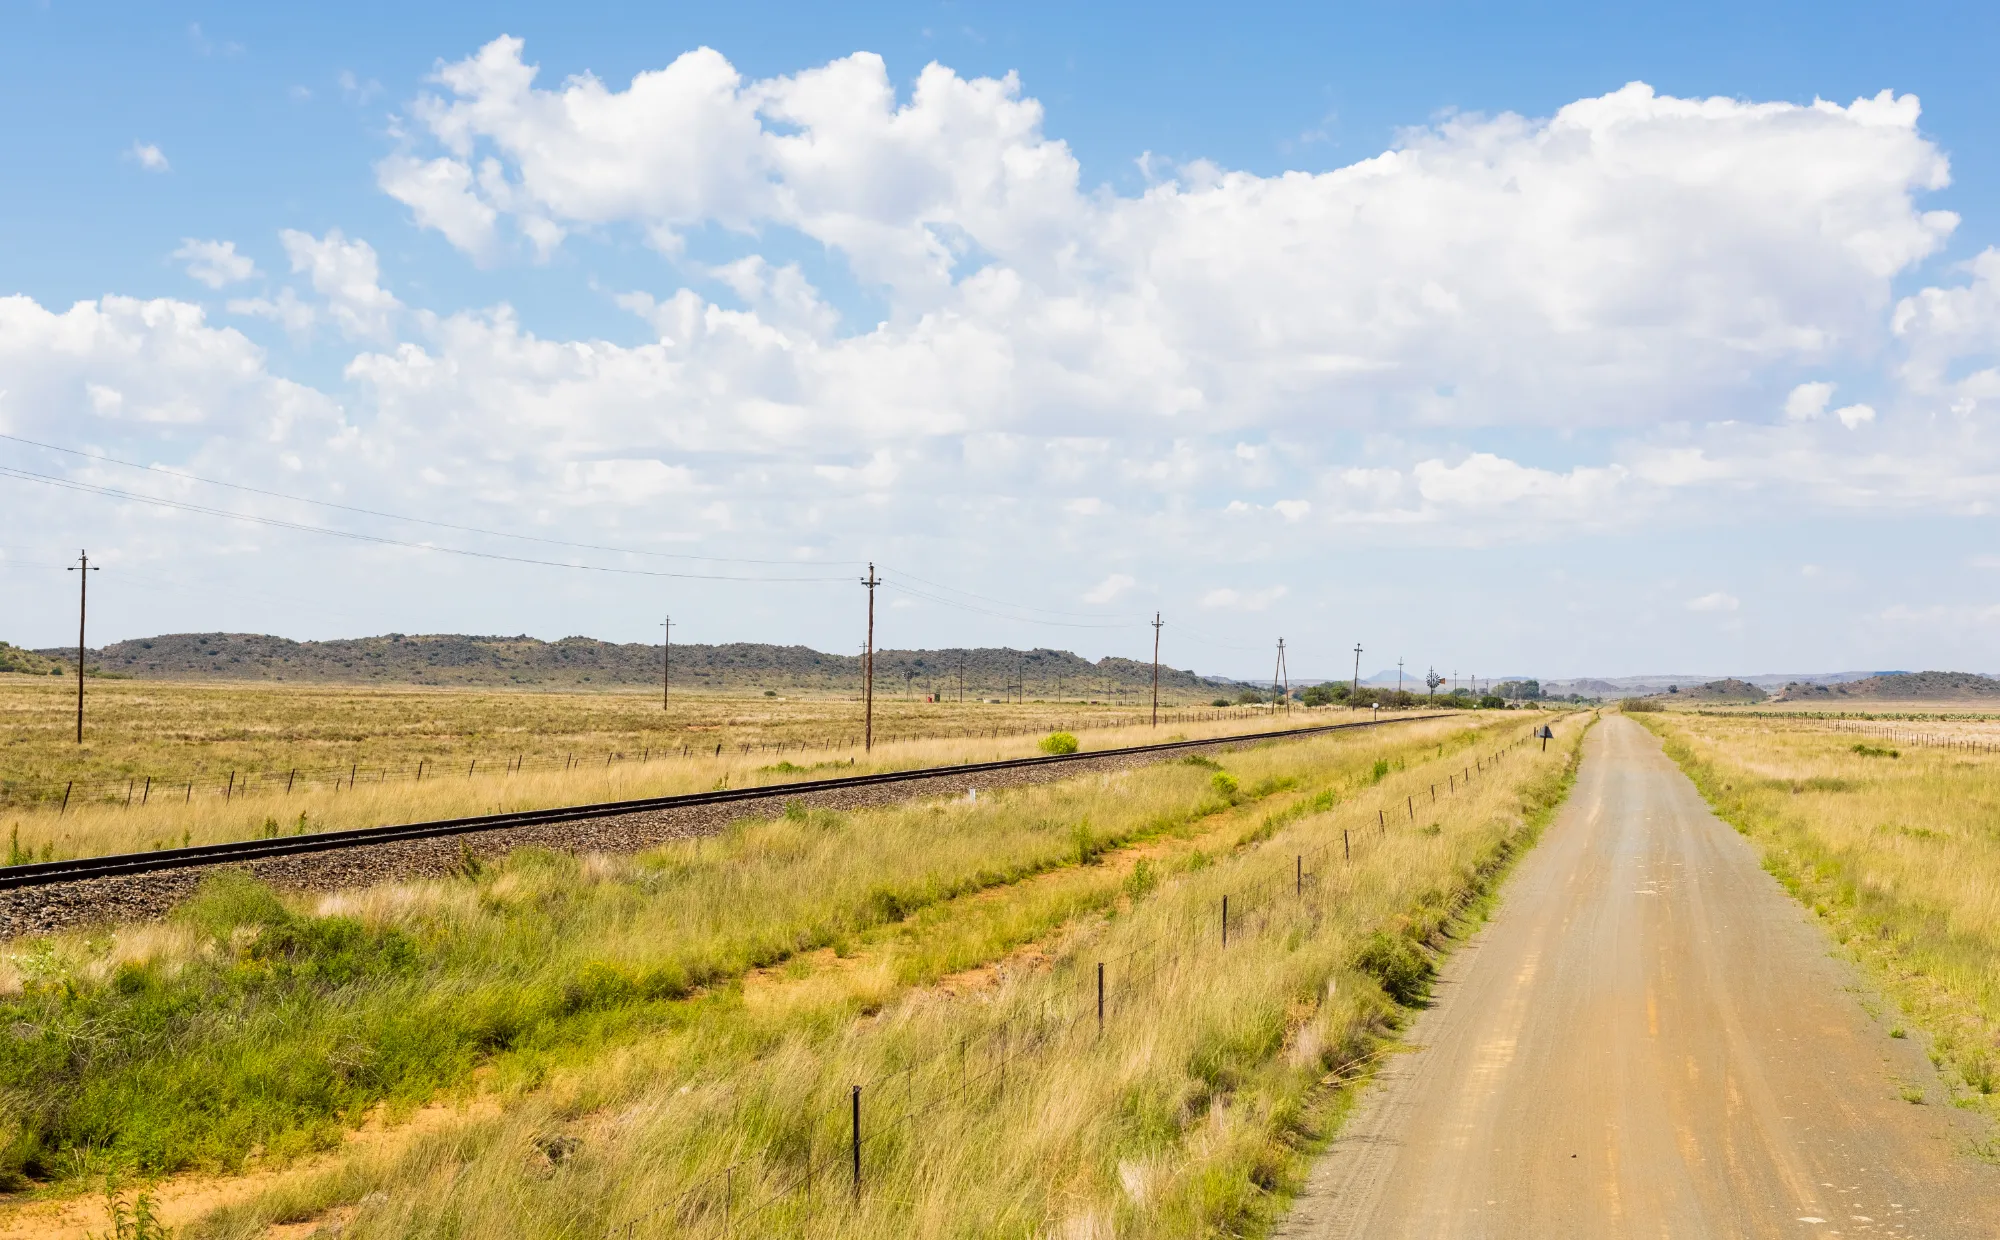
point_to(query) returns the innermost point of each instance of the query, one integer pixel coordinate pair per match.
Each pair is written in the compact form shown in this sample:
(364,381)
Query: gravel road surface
(1651,1038)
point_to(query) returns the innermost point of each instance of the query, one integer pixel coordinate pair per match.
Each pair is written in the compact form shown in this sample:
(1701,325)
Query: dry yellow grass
(177,731)
(1896,846)
(470,742)
(1188,1117)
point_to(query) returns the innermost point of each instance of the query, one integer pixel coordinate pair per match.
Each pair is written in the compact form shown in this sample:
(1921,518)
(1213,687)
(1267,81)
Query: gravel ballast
(145,896)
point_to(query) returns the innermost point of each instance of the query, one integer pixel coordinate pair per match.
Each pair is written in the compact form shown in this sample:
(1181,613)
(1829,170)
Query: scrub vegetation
(671,1037)
(239,762)
(1896,849)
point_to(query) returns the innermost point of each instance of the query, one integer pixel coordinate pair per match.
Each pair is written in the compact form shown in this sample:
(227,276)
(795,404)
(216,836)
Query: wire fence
(1917,738)
(749,1197)
(139,789)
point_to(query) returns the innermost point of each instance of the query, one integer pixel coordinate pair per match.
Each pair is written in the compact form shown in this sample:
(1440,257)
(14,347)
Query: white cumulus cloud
(215,263)
(1226,598)
(148,156)
(1109,588)
(900,307)
(1718,601)
(1807,401)
(1616,262)
(347,274)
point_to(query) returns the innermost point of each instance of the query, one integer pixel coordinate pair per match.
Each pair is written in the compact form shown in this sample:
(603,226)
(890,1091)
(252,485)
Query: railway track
(45,874)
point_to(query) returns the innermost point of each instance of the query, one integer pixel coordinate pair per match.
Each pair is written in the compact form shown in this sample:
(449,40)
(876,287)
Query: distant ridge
(1900,687)
(1730,690)
(583,662)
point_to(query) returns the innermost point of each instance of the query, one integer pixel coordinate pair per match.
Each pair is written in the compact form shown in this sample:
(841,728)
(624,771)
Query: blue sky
(1540,394)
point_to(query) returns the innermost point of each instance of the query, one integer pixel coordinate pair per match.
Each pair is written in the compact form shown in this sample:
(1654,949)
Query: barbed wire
(1021,1034)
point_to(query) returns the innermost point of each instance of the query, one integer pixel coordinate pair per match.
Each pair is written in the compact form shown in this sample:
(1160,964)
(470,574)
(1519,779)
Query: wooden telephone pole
(1281,675)
(666,661)
(1156,669)
(1355,691)
(83,569)
(868,665)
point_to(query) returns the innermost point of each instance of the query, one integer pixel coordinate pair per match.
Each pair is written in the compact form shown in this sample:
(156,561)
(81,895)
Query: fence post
(857,1143)
(65,805)
(1299,883)
(1346,850)
(1100,998)
(231,789)
(1225,921)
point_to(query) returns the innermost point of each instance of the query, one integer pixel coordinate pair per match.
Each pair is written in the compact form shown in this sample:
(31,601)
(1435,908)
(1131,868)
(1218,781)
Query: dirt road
(1650,1039)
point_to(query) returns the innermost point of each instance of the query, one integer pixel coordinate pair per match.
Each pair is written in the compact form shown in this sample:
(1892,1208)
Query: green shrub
(1876,751)
(1088,847)
(1141,881)
(1401,967)
(1220,702)
(1058,743)
(1224,784)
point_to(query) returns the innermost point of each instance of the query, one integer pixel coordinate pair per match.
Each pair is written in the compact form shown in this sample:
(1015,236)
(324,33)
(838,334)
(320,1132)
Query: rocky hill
(29,662)
(582,662)
(1899,687)
(1730,690)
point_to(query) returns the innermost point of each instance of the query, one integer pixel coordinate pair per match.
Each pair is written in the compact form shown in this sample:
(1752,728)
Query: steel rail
(80,869)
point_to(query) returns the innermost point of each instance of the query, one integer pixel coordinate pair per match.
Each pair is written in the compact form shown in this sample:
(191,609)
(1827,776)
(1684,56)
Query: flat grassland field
(1889,831)
(167,763)
(671,1042)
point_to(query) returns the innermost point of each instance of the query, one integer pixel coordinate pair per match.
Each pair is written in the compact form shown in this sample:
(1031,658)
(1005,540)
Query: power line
(87,488)
(393,516)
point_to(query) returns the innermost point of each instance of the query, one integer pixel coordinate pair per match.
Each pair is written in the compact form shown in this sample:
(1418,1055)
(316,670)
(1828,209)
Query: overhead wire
(393,516)
(1079,620)
(68,484)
